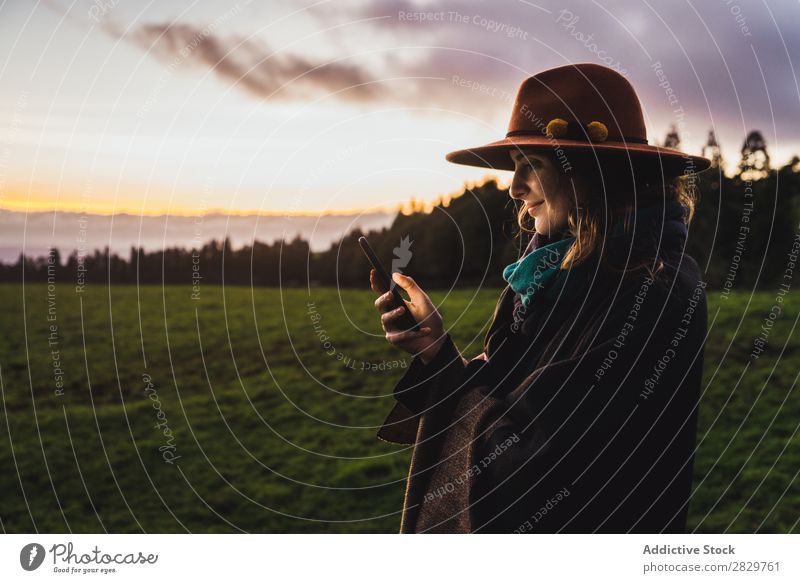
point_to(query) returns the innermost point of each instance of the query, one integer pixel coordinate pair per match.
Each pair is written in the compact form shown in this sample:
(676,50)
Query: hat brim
(496,155)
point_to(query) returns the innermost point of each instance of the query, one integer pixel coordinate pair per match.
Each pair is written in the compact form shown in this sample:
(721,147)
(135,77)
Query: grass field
(270,400)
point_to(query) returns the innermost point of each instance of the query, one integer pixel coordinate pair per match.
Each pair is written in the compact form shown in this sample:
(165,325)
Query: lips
(533,206)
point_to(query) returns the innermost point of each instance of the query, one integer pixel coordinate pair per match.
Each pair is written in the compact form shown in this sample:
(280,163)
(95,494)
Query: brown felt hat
(580,107)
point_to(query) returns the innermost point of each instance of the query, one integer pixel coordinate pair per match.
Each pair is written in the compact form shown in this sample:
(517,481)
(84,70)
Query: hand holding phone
(405,321)
(423,340)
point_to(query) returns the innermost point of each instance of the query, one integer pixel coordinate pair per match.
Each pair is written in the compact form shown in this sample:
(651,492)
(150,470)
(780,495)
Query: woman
(581,413)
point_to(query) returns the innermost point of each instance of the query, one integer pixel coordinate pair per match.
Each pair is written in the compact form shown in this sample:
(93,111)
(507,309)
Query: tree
(712,151)
(755,159)
(673,140)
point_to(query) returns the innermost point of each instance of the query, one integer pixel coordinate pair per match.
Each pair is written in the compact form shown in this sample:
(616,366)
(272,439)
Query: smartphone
(405,321)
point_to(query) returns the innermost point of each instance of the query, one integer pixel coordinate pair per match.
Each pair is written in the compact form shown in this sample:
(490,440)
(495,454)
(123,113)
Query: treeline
(280,263)
(478,224)
(743,233)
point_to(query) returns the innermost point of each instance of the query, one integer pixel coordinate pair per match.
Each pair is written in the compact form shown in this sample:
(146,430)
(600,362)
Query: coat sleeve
(532,440)
(423,387)
(422,381)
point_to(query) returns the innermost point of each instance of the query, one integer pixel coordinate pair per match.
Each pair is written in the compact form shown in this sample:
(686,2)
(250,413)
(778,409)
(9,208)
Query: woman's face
(536,182)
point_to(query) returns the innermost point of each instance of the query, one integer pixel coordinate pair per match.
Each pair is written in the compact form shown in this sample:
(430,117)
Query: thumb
(408,284)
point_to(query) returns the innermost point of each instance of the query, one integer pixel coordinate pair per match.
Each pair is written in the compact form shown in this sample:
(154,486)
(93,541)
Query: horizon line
(204,213)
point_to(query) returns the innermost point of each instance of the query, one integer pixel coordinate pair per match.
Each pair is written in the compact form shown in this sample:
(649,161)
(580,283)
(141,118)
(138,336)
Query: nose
(519,186)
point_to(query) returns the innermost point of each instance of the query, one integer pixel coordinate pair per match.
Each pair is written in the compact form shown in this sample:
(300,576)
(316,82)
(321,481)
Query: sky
(189,107)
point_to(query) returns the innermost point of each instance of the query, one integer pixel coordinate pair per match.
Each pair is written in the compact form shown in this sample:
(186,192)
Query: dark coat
(584,420)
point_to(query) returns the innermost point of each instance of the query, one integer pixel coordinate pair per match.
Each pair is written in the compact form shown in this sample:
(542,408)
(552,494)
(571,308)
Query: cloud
(251,65)
(471,56)
(715,55)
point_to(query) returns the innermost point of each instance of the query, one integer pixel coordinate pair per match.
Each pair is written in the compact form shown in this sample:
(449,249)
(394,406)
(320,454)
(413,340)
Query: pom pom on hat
(597,131)
(557,128)
(561,128)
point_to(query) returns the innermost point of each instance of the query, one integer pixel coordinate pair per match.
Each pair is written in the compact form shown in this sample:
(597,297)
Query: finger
(379,302)
(415,292)
(392,315)
(385,302)
(372,284)
(398,337)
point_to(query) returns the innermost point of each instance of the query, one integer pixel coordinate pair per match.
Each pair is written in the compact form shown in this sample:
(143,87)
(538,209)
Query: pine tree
(712,151)
(755,159)
(673,140)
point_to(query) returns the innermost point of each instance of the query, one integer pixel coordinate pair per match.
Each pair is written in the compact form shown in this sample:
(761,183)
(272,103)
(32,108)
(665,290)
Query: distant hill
(35,232)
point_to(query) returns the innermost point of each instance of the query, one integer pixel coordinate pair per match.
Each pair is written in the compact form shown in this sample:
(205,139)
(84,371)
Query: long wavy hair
(607,190)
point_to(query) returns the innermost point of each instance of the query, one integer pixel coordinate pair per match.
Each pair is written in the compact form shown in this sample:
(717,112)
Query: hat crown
(578,108)
(580,93)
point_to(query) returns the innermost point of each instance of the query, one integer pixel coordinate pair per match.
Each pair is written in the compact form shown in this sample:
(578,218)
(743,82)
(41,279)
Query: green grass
(275,428)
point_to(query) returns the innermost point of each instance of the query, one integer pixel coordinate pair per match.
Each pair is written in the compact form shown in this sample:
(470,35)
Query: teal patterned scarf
(654,226)
(532,272)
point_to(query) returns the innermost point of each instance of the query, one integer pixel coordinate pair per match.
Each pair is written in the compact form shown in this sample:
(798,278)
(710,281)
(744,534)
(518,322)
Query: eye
(528,163)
